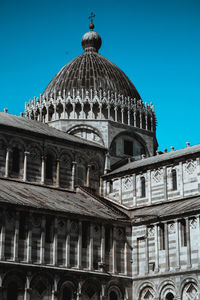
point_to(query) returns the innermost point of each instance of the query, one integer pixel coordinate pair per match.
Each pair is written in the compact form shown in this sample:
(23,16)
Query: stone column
(146,253)
(149,187)
(100,111)
(58,173)
(91,248)
(102,244)
(64,110)
(67,245)
(25,165)
(79,247)
(177,244)
(73,174)
(165,182)
(2,236)
(181,179)
(114,258)
(29,240)
(146,121)
(167,267)
(198,228)
(120,190)
(151,124)
(42,241)
(108,111)
(40,116)
(122,115)
(135,118)
(88,176)
(7,162)
(156,242)
(43,170)
(129,118)
(140,119)
(16,238)
(55,242)
(187,221)
(134,191)
(125,258)
(47,115)
(55,112)
(73,112)
(116,108)
(27,291)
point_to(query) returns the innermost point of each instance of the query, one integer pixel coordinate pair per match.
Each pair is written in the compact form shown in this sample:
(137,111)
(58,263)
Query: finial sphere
(91,26)
(91,41)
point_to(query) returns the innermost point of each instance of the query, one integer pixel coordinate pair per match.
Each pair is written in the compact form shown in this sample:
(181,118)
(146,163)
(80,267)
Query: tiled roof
(40,128)
(156,159)
(93,71)
(167,209)
(43,197)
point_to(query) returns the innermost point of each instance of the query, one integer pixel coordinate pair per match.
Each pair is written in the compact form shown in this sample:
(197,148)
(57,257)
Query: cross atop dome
(92,15)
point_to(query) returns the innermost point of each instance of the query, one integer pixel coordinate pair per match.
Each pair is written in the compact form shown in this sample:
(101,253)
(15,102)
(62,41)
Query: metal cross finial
(92,15)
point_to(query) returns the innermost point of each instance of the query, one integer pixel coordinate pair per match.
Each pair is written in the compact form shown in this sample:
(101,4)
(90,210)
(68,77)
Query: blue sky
(156,43)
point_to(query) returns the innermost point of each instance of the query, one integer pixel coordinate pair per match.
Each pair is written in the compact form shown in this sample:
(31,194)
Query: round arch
(132,135)
(146,291)
(167,289)
(91,289)
(88,132)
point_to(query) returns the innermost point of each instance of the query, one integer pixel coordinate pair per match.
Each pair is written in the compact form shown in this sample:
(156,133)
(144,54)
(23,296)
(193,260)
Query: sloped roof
(44,197)
(167,209)
(40,128)
(156,159)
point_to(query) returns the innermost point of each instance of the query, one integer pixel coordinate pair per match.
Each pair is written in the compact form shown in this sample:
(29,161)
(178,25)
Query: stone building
(89,208)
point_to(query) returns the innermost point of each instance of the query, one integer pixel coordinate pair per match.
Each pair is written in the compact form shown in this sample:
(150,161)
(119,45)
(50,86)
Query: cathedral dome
(89,71)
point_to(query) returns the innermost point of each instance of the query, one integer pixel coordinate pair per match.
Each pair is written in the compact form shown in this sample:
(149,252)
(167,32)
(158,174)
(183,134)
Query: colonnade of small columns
(28,257)
(43,167)
(179,265)
(117,108)
(136,190)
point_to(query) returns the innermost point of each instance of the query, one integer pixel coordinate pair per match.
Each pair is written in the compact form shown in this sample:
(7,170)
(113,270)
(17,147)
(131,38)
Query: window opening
(12,291)
(162,237)
(85,234)
(15,160)
(49,166)
(128,147)
(113,296)
(49,229)
(174,180)
(67,293)
(169,296)
(22,226)
(183,233)
(143,188)
(107,239)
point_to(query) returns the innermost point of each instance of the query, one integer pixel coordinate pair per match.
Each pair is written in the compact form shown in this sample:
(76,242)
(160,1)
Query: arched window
(143,188)
(183,233)
(174,180)
(113,296)
(169,296)
(15,160)
(162,236)
(12,291)
(49,167)
(67,293)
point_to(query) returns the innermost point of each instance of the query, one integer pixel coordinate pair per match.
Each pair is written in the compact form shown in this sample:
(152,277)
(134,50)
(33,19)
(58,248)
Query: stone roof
(48,198)
(40,128)
(91,71)
(167,209)
(157,159)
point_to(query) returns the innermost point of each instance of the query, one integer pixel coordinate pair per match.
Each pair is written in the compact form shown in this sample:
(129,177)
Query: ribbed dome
(93,71)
